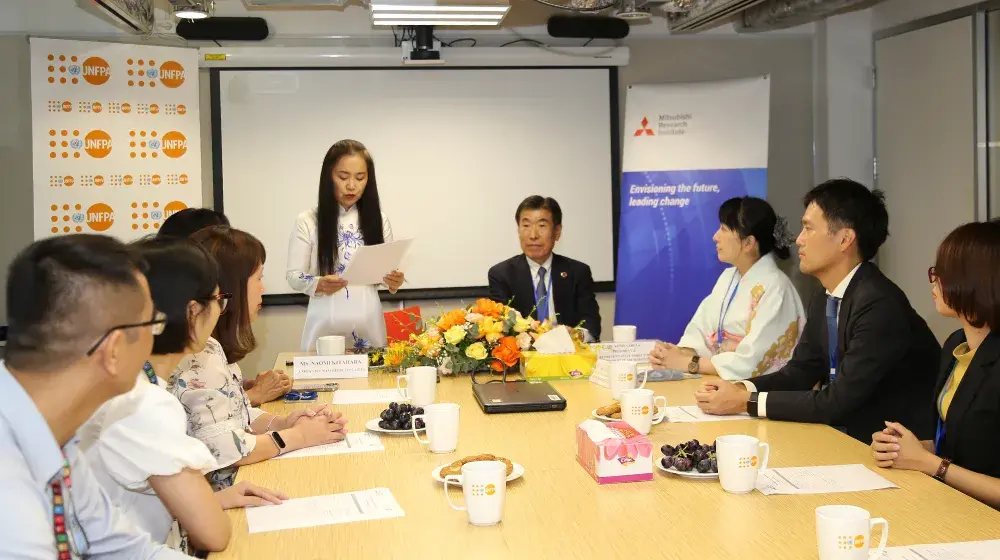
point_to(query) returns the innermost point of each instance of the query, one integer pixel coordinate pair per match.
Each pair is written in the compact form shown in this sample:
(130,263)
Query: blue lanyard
(724,307)
(939,434)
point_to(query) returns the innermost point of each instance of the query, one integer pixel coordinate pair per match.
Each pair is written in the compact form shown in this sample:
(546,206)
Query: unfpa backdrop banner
(115,136)
(688,148)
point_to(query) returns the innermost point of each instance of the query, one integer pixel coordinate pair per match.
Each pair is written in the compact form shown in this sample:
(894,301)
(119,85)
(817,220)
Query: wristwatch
(693,365)
(279,442)
(752,405)
(942,470)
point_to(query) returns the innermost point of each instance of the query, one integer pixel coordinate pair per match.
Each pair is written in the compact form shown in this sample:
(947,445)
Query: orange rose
(507,352)
(451,319)
(488,308)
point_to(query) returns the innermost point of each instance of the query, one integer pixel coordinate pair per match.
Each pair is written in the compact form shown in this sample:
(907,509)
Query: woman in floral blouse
(209,384)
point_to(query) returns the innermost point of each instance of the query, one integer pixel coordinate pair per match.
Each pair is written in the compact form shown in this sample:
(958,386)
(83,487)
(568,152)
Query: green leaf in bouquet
(473,333)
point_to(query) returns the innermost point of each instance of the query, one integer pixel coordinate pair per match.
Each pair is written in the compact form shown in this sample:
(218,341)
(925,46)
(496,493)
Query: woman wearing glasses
(209,383)
(137,443)
(965,285)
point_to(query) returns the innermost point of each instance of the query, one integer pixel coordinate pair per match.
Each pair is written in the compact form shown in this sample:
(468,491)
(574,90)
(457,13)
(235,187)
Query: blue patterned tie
(832,306)
(541,299)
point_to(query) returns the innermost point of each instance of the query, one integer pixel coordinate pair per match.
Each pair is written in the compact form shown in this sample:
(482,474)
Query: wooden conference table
(557,511)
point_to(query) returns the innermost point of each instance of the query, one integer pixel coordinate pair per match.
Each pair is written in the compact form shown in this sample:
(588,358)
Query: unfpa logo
(629,377)
(490,489)
(848,542)
(148,215)
(98,217)
(645,410)
(171,74)
(95,70)
(644,128)
(174,144)
(747,462)
(97,144)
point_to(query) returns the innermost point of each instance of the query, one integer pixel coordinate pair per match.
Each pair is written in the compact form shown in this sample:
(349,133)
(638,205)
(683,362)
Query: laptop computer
(518,396)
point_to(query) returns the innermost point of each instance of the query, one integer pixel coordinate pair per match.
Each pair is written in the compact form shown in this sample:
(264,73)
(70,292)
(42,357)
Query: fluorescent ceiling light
(439,9)
(482,17)
(438,22)
(454,13)
(190,13)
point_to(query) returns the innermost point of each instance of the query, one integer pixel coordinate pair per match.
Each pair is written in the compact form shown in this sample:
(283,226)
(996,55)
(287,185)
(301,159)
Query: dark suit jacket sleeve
(879,340)
(809,364)
(586,303)
(499,279)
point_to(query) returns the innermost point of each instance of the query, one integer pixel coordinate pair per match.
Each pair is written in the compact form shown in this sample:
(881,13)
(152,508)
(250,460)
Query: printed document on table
(820,480)
(370,263)
(366,396)
(694,414)
(365,505)
(360,442)
(974,550)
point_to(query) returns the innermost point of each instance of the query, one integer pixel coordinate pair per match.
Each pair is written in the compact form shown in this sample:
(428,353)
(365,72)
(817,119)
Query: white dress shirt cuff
(761,398)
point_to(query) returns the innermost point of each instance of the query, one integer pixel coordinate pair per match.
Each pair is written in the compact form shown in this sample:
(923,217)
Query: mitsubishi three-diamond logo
(645,130)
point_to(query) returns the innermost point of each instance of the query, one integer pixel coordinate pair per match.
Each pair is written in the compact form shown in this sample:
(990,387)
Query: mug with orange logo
(639,409)
(624,375)
(484,484)
(740,459)
(844,533)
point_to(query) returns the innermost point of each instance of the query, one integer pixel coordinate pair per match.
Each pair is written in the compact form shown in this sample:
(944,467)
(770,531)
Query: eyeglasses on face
(932,276)
(158,323)
(221,297)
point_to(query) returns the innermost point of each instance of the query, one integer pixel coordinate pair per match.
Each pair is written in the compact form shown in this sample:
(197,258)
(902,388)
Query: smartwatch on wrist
(279,442)
(752,405)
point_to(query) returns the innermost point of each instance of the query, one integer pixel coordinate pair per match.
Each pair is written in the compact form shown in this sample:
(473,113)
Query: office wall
(15,155)
(896,12)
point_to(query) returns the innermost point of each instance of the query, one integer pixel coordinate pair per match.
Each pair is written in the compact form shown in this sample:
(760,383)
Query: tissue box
(578,365)
(616,453)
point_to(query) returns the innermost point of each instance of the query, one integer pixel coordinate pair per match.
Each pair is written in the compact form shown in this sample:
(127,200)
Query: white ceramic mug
(484,484)
(844,533)
(740,459)
(441,420)
(331,345)
(638,406)
(624,375)
(421,385)
(623,333)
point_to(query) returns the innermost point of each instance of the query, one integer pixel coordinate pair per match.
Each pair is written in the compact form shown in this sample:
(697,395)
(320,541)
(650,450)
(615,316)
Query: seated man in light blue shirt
(81,326)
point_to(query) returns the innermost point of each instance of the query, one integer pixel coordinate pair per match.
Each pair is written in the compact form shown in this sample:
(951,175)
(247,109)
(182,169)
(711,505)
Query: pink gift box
(626,456)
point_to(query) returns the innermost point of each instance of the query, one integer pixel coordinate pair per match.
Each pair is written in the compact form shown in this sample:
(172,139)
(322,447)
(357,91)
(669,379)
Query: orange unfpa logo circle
(174,144)
(96,71)
(100,217)
(172,74)
(127,180)
(490,489)
(99,180)
(155,179)
(67,106)
(96,107)
(172,208)
(97,143)
(753,461)
(182,110)
(154,109)
(629,377)
(645,410)
(859,541)
(68,180)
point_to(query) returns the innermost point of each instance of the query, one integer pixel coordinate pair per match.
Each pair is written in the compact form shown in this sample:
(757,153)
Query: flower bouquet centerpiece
(484,336)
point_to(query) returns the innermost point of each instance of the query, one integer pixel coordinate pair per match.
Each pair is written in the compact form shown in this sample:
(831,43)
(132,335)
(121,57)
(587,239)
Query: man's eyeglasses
(932,276)
(222,298)
(159,322)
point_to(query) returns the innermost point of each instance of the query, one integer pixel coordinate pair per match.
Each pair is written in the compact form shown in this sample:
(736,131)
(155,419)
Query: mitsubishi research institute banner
(115,136)
(688,148)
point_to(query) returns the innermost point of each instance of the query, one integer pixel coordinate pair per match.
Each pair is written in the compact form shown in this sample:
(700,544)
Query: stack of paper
(360,442)
(694,414)
(976,550)
(365,505)
(820,480)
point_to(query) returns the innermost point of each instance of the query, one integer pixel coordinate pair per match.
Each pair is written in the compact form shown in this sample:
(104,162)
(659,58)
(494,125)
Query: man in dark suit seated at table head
(540,283)
(865,356)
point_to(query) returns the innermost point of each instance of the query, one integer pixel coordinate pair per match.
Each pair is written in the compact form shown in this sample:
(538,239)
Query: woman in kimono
(347,216)
(751,322)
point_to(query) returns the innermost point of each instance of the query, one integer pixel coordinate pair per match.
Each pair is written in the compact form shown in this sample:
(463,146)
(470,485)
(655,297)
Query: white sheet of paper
(348,366)
(366,396)
(820,480)
(692,413)
(974,550)
(370,263)
(359,442)
(365,505)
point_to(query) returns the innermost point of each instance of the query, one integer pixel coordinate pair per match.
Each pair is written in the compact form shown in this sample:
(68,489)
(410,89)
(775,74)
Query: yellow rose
(490,329)
(522,325)
(476,351)
(454,335)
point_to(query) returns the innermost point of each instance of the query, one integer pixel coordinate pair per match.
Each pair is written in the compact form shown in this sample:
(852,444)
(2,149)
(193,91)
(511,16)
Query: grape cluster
(690,455)
(398,416)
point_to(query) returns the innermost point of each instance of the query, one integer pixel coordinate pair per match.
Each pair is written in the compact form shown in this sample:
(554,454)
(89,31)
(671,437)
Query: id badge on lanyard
(724,308)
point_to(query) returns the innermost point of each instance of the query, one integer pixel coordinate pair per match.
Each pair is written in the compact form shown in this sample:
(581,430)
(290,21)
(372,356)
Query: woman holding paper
(965,285)
(347,216)
(751,321)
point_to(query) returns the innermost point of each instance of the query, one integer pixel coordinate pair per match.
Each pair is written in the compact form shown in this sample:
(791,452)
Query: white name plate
(637,351)
(348,366)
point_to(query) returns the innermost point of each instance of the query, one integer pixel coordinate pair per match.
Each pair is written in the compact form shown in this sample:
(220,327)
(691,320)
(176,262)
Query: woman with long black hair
(347,216)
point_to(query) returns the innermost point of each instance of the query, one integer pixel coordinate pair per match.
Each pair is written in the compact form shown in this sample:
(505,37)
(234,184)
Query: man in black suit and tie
(540,283)
(865,356)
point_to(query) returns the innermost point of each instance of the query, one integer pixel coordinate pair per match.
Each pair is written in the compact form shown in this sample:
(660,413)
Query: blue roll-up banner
(688,148)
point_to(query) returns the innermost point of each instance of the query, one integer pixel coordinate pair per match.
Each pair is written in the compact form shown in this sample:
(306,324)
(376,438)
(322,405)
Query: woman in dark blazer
(965,284)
